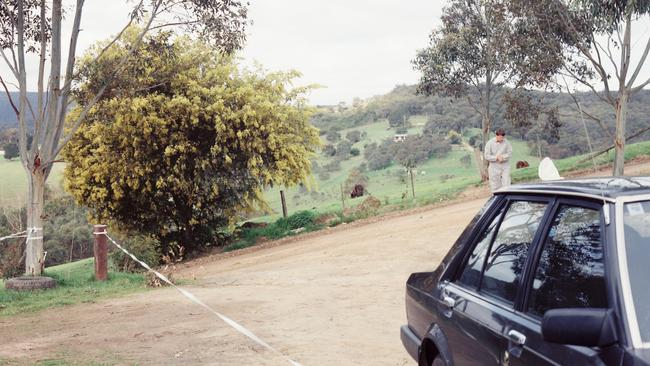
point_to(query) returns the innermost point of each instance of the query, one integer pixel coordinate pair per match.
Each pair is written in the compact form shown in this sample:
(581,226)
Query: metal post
(100,248)
(284,204)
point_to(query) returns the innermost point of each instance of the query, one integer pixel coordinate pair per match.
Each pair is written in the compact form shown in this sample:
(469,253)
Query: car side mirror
(580,327)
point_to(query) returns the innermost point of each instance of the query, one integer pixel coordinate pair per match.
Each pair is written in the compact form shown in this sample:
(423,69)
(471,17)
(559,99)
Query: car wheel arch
(434,344)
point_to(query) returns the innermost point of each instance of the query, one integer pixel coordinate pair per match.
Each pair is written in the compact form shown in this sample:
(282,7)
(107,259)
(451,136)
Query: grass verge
(75,284)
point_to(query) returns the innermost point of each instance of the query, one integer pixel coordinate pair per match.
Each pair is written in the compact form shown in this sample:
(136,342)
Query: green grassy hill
(435,178)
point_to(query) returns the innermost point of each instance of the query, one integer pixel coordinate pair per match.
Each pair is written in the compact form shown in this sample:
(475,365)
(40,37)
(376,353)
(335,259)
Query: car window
(471,275)
(637,248)
(570,272)
(503,269)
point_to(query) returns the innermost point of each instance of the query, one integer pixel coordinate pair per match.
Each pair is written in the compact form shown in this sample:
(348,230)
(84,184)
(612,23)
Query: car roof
(608,188)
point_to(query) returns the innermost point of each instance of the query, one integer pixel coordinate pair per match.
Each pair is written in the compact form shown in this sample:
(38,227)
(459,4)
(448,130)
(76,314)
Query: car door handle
(516,337)
(450,302)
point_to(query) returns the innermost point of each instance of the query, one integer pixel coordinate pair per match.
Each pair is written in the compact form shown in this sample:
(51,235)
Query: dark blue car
(556,273)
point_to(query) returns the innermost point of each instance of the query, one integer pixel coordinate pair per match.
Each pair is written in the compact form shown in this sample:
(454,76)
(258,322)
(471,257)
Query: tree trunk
(619,142)
(34,248)
(483,164)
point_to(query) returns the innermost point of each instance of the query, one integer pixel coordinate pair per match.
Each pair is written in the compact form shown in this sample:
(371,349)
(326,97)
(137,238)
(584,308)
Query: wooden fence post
(284,204)
(100,249)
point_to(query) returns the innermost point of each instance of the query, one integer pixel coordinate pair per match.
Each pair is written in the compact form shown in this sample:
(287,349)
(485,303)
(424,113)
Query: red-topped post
(100,249)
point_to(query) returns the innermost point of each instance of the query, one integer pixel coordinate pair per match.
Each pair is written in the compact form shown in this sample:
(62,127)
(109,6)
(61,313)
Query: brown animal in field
(357,191)
(522,164)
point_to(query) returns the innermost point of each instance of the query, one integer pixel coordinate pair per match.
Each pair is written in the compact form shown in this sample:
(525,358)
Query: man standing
(498,152)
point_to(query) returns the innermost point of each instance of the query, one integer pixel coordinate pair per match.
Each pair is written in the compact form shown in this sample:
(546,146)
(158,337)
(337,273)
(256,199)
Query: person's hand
(499,158)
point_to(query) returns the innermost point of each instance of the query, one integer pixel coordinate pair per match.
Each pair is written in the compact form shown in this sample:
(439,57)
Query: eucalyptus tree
(33,28)
(598,50)
(481,47)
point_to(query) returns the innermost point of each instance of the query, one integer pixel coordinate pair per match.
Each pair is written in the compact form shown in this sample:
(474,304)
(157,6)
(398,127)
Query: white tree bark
(50,116)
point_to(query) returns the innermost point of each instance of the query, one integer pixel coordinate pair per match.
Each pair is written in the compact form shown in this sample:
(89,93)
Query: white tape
(194,299)
(35,238)
(22,234)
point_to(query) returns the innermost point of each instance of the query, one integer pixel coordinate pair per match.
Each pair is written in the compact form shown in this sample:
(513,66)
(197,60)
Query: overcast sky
(353,48)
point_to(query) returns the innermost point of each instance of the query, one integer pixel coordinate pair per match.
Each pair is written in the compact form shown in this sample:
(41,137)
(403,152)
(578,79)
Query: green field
(13,182)
(75,284)
(435,178)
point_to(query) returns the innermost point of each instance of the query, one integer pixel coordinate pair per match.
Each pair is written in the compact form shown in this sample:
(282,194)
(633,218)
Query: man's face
(500,138)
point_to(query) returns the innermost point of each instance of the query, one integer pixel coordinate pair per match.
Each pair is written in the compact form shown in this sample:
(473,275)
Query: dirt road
(334,298)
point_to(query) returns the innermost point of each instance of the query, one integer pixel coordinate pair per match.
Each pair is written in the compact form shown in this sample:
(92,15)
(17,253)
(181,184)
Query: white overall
(498,172)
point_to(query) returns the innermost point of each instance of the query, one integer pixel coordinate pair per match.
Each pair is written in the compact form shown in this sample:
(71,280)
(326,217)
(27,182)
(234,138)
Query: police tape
(241,329)
(25,234)
(22,234)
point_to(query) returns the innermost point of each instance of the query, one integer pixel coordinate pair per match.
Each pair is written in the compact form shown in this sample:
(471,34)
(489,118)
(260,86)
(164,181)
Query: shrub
(334,166)
(454,137)
(363,167)
(300,219)
(145,248)
(343,149)
(379,160)
(11,258)
(333,136)
(68,235)
(353,136)
(11,250)
(329,150)
(11,151)
(354,151)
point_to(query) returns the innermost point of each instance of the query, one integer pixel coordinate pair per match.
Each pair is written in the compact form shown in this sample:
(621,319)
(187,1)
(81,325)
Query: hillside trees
(416,149)
(598,50)
(33,27)
(186,142)
(481,47)
(11,151)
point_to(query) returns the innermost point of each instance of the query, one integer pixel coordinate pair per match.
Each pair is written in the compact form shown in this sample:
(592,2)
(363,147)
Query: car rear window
(504,266)
(495,264)
(636,217)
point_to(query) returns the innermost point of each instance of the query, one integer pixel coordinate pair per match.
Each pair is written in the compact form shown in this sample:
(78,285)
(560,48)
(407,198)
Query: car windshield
(637,247)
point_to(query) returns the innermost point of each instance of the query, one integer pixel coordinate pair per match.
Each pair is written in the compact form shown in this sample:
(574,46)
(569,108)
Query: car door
(484,290)
(566,271)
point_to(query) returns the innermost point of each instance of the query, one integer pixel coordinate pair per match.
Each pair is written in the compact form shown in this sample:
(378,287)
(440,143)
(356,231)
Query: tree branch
(62,103)
(636,89)
(68,81)
(607,100)
(639,66)
(41,69)
(95,99)
(14,70)
(22,86)
(641,131)
(11,101)
(611,56)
